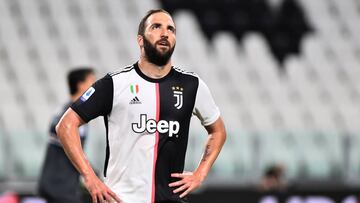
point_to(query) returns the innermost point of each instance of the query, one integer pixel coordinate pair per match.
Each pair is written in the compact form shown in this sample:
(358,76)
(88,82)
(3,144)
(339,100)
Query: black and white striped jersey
(147,124)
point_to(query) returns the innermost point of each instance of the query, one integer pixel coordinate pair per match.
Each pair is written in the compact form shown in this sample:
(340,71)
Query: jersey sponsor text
(151,126)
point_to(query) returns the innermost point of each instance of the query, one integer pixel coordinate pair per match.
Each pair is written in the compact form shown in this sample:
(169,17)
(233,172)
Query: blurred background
(285,74)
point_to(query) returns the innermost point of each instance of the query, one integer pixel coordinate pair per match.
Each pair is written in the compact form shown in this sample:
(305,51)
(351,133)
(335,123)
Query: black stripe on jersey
(172,150)
(107,155)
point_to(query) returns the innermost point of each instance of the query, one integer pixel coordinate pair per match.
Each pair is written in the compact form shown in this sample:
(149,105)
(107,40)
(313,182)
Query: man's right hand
(99,191)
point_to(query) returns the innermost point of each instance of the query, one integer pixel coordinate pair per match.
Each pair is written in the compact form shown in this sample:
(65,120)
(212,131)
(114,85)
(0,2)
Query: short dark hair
(141,29)
(274,171)
(76,76)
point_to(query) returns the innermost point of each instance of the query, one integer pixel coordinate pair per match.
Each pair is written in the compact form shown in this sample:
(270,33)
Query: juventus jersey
(147,125)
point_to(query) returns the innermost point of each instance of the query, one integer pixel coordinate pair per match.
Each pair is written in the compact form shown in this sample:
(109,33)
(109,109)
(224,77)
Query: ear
(80,88)
(140,41)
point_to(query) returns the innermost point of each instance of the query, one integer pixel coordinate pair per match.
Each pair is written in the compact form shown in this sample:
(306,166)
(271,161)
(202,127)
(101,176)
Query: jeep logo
(151,126)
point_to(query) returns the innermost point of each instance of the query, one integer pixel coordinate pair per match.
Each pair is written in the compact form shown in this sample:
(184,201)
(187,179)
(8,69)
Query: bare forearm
(70,139)
(67,131)
(212,149)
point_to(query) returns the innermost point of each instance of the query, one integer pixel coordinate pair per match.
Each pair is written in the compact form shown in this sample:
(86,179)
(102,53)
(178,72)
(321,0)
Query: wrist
(88,173)
(201,175)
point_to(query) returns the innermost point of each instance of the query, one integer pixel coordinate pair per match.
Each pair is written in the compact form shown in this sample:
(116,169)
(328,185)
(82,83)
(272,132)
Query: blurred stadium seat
(354,157)
(283,148)
(2,157)
(28,150)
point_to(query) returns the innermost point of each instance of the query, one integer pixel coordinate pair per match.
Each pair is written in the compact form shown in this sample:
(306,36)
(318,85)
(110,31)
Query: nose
(164,33)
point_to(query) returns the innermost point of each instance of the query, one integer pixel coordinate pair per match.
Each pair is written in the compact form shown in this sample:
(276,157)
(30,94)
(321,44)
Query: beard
(154,56)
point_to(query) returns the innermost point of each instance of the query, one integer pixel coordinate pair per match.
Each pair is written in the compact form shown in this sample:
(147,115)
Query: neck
(153,71)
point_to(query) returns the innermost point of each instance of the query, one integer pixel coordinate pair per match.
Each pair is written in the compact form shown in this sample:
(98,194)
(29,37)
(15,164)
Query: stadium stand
(2,158)
(285,77)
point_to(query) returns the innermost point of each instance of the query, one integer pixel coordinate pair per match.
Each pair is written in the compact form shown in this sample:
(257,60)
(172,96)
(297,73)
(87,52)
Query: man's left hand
(187,183)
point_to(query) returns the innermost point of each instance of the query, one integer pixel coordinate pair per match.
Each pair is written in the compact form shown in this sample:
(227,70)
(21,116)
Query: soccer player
(147,109)
(59,180)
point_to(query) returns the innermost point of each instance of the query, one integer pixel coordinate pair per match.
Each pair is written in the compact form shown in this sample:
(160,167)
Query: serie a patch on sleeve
(87,94)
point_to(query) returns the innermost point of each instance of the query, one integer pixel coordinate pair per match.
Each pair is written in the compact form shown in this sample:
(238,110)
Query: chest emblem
(178,94)
(134,90)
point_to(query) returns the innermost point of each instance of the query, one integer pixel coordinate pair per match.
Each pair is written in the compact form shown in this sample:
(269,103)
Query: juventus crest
(178,94)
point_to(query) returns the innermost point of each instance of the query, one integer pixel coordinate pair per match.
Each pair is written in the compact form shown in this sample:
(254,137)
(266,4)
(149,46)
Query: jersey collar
(145,77)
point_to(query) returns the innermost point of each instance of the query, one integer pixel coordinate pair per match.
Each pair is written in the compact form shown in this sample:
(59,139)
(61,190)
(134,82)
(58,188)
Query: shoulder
(121,71)
(185,72)
(190,74)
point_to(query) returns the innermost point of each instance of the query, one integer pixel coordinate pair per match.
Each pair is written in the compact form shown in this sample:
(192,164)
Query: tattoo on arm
(207,151)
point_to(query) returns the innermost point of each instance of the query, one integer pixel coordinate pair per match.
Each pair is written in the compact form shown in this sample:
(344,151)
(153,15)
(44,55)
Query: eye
(171,29)
(156,26)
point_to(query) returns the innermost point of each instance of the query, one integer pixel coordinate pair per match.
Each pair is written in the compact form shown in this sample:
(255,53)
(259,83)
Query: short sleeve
(205,108)
(96,101)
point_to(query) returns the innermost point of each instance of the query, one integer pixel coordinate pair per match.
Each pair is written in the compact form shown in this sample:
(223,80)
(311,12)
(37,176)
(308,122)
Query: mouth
(163,43)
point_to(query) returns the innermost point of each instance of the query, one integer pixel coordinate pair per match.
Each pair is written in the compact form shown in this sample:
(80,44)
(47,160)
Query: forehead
(160,17)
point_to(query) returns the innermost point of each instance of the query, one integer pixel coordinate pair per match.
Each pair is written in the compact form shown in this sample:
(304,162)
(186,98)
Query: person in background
(59,180)
(273,179)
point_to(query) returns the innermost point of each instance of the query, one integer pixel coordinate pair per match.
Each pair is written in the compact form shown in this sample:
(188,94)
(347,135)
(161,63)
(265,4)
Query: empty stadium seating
(2,157)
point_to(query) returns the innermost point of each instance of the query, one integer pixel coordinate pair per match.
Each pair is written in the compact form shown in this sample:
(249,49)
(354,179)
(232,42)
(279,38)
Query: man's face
(159,38)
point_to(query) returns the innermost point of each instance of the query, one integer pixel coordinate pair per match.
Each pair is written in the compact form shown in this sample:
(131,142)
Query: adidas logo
(135,100)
